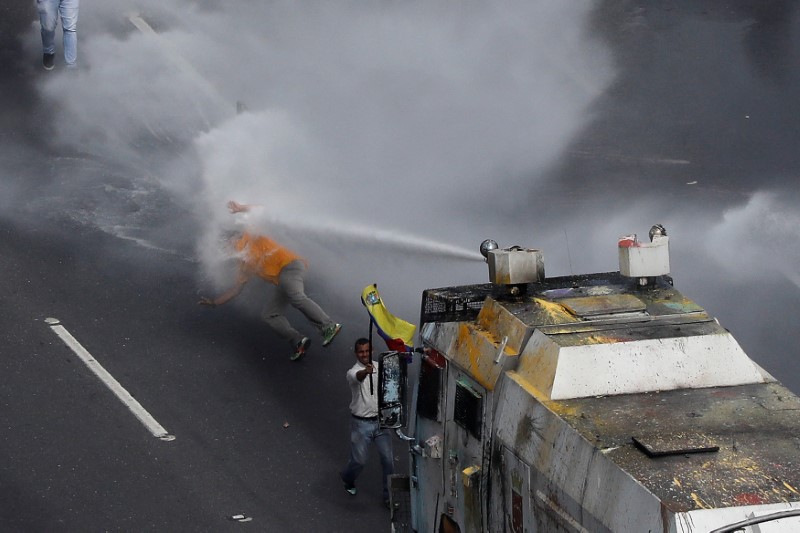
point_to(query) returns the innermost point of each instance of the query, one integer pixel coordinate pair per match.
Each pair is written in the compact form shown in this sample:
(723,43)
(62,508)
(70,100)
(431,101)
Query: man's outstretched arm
(235,207)
(228,295)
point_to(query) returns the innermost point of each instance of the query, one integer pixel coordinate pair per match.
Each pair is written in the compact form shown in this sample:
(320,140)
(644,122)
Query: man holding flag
(365,428)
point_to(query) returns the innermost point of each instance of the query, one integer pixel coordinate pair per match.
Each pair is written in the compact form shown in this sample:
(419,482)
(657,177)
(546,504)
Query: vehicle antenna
(569,254)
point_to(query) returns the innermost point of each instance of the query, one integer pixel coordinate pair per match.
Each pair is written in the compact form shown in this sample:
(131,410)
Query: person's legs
(290,281)
(48,12)
(359,445)
(273,316)
(383,443)
(69,24)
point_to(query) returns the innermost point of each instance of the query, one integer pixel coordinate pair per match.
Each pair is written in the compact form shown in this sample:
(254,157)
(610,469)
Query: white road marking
(124,396)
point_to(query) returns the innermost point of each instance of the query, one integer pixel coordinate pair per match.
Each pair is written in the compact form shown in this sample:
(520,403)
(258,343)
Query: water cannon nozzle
(487,246)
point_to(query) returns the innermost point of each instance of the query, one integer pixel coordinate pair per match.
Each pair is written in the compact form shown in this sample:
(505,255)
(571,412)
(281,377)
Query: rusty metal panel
(573,486)
(515,479)
(755,427)
(426,487)
(588,306)
(463,450)
(481,355)
(582,454)
(506,320)
(659,445)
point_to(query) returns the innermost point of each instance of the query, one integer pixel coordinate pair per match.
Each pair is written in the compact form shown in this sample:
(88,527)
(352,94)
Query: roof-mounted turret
(645,260)
(591,335)
(514,266)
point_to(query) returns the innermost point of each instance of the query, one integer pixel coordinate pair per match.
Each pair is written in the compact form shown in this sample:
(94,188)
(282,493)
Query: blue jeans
(49,12)
(362,434)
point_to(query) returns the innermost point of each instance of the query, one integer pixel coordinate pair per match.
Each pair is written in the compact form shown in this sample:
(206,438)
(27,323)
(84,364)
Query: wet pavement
(692,122)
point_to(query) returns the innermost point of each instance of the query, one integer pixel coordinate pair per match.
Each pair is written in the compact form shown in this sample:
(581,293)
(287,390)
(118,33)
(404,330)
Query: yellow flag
(398,334)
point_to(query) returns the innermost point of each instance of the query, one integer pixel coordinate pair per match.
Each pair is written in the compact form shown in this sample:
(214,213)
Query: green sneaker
(350,488)
(300,349)
(329,333)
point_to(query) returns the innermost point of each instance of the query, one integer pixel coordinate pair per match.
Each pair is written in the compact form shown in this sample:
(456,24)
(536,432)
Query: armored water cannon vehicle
(597,402)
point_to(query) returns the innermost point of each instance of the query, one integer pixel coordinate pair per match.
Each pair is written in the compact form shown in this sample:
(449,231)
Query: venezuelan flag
(398,334)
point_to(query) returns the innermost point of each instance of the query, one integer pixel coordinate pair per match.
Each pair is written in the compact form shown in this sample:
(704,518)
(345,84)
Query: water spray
(403,241)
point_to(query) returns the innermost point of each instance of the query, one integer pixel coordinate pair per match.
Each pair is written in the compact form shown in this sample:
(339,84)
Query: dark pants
(291,290)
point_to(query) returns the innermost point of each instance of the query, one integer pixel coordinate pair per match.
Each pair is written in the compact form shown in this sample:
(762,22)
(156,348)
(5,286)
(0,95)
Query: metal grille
(400,503)
(454,304)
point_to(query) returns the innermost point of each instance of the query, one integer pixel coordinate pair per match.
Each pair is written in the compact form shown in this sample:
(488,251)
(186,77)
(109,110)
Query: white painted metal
(637,366)
(706,520)
(569,477)
(645,259)
(513,266)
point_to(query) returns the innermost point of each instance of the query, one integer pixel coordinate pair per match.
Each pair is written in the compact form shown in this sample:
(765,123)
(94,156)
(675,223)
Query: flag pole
(371,390)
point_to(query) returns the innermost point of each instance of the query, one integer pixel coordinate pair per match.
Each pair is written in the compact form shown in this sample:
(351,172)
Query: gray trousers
(290,290)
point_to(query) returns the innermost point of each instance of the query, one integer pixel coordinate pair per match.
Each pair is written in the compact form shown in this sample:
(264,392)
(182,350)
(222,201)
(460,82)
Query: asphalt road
(702,115)
(255,434)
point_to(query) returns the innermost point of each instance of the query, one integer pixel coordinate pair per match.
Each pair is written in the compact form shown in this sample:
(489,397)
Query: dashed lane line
(108,380)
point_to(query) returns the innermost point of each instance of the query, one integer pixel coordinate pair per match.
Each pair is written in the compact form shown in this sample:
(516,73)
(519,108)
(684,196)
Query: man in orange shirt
(260,256)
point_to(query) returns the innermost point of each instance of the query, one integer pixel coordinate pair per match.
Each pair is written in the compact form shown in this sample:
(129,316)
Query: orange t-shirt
(264,257)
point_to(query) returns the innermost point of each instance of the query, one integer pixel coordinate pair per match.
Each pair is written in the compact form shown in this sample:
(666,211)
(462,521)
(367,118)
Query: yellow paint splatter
(466,345)
(556,314)
(790,487)
(699,502)
(677,482)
